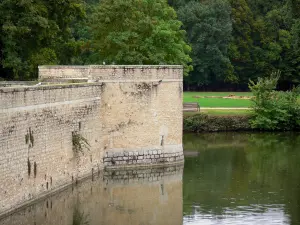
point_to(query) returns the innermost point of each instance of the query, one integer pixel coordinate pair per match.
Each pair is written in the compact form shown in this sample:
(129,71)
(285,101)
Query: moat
(228,178)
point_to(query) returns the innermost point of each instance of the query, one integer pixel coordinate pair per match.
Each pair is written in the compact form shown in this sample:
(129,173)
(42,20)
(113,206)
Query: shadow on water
(242,178)
(127,197)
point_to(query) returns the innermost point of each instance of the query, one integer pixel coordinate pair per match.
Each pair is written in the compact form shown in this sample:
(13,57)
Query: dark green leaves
(33,32)
(209,28)
(274,110)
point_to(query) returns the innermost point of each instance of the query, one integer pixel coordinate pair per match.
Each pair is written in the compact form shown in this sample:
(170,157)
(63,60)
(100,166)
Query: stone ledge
(141,158)
(47,87)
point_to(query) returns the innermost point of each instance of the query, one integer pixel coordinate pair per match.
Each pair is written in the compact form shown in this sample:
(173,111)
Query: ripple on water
(246,215)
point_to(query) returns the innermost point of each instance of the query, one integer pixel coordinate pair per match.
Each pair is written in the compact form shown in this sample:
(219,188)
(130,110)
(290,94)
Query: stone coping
(46,87)
(111,73)
(17,83)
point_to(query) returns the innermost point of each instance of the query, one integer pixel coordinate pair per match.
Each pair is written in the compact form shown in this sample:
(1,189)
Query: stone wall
(141,120)
(128,115)
(141,110)
(37,127)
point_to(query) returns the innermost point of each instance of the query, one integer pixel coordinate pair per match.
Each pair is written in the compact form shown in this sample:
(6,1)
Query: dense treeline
(35,32)
(226,42)
(237,40)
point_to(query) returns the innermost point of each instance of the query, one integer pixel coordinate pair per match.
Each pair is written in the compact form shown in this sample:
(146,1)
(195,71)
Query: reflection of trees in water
(275,163)
(205,141)
(265,170)
(80,218)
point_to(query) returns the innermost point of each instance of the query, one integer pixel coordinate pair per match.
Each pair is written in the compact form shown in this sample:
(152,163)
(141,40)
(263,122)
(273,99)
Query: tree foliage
(232,41)
(274,110)
(35,32)
(139,32)
(209,30)
(264,37)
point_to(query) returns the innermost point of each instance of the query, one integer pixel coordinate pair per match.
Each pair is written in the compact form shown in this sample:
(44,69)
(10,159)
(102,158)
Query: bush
(274,110)
(206,123)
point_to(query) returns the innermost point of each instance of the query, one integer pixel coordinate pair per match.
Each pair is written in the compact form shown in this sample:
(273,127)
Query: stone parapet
(14,97)
(133,73)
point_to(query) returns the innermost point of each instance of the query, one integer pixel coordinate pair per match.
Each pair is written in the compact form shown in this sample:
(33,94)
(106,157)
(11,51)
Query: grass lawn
(218,102)
(221,112)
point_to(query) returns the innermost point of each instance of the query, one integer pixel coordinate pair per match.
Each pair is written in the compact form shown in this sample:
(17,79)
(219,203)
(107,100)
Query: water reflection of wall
(150,196)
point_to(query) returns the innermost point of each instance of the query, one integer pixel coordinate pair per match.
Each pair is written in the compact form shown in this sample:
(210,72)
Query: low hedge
(209,123)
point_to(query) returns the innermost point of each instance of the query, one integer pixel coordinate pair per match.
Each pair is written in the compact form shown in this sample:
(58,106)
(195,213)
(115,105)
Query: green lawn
(218,102)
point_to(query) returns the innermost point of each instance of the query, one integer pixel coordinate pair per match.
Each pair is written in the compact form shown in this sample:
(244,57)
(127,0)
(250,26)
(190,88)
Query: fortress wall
(129,116)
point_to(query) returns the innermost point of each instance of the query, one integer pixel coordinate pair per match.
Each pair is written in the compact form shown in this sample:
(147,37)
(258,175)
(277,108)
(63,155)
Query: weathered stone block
(147,161)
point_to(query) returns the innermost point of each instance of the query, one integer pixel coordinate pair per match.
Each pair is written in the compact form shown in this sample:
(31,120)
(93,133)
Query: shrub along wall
(208,123)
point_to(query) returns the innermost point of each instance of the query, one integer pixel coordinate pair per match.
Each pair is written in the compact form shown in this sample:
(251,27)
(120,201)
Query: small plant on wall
(79,143)
(29,139)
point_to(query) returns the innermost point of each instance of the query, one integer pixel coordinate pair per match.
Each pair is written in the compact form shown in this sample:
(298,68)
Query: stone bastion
(80,120)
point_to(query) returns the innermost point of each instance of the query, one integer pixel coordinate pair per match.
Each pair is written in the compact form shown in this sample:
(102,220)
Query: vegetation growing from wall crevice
(79,143)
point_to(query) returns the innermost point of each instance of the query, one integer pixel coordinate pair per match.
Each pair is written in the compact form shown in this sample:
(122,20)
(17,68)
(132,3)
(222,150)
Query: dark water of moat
(228,178)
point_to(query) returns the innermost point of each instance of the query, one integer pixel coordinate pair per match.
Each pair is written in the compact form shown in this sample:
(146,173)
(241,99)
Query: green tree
(264,38)
(294,54)
(82,36)
(34,32)
(241,46)
(209,28)
(176,4)
(139,32)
